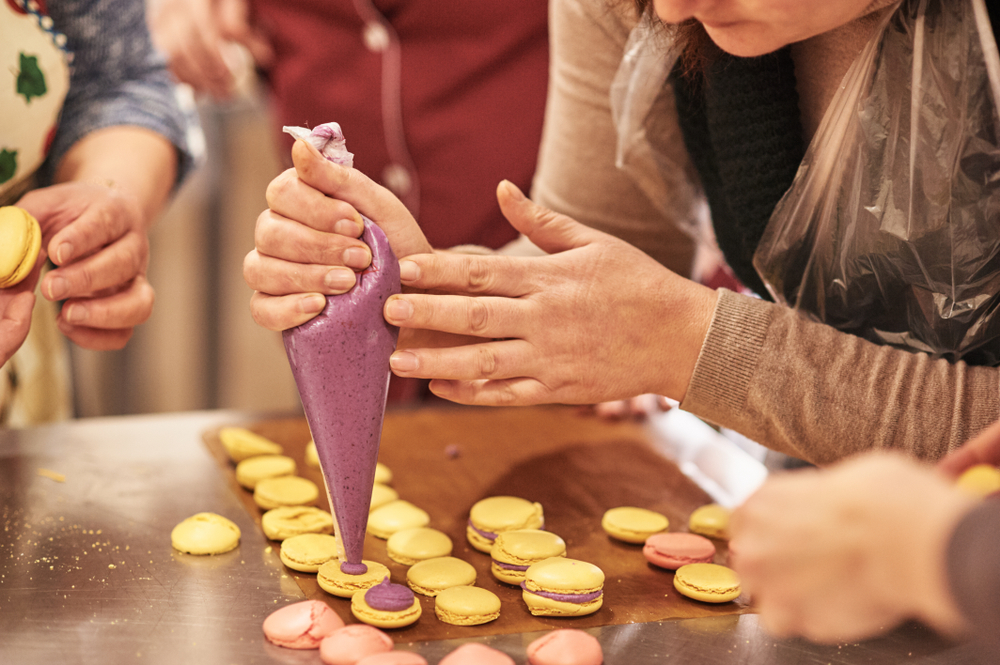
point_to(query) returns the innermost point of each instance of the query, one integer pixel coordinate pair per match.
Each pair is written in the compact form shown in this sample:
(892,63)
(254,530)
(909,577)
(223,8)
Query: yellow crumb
(53,475)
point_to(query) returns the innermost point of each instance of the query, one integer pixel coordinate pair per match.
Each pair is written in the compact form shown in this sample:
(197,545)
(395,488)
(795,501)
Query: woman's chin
(744,40)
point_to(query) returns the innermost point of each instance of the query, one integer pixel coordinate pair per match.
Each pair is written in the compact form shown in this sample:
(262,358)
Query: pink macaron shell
(673,550)
(394,658)
(301,625)
(350,644)
(475,653)
(567,646)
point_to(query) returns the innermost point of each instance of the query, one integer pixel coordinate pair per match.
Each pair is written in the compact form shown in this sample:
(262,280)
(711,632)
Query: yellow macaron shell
(396,516)
(560,575)
(432,576)
(240,443)
(285,491)
(980,480)
(710,520)
(633,525)
(287,521)
(707,582)
(251,471)
(381,495)
(496,514)
(205,533)
(308,551)
(20,243)
(410,546)
(382,618)
(467,606)
(523,547)
(335,581)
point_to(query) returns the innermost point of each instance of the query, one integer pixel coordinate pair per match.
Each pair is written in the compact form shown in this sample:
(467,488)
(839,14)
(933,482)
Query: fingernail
(513,190)
(403,361)
(75,313)
(399,309)
(312,303)
(348,227)
(355,257)
(339,279)
(58,287)
(409,271)
(63,253)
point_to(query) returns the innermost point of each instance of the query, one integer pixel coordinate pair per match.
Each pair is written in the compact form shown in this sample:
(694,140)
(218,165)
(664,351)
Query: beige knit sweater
(793,385)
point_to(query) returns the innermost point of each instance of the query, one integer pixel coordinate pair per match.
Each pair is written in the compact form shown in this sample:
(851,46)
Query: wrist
(689,311)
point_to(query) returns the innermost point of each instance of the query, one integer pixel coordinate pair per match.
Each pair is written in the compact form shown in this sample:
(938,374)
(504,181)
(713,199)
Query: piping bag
(340,361)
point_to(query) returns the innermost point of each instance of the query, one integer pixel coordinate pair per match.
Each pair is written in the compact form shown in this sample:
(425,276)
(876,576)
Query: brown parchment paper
(577,466)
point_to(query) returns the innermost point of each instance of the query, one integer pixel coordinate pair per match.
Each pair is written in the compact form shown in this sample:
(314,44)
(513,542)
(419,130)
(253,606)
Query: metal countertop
(87,573)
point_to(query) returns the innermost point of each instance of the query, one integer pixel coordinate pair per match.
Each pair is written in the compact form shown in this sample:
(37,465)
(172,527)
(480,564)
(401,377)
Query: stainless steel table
(87,574)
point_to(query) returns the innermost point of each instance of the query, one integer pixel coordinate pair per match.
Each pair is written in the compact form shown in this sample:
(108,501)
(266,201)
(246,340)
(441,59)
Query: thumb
(551,231)
(367,196)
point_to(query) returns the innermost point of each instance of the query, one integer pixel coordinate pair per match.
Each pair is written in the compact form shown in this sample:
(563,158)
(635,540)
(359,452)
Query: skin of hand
(594,320)
(16,304)
(851,551)
(97,234)
(306,242)
(196,35)
(984,448)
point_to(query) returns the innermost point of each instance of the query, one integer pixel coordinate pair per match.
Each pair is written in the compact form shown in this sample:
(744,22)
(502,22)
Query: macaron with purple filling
(514,551)
(497,514)
(563,587)
(386,605)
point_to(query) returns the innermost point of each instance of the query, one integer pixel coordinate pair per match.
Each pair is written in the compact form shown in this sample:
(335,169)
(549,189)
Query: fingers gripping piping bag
(340,361)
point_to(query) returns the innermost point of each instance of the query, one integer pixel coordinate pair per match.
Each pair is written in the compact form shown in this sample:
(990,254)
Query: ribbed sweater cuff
(728,357)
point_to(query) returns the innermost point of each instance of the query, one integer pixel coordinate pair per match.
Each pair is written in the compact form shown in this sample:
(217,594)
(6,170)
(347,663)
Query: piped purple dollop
(388,597)
(349,568)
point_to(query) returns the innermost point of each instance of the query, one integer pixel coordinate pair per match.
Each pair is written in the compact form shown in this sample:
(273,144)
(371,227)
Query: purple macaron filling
(508,566)
(489,535)
(579,598)
(388,597)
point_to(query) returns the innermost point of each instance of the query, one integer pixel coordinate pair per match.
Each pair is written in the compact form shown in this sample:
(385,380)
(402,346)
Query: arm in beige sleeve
(808,390)
(576,172)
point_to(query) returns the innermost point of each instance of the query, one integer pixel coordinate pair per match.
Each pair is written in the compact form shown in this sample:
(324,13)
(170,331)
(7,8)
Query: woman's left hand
(595,320)
(97,238)
(849,552)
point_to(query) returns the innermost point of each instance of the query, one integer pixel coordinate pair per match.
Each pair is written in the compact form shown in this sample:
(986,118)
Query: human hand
(851,551)
(594,320)
(198,36)
(307,242)
(15,318)
(97,237)
(984,448)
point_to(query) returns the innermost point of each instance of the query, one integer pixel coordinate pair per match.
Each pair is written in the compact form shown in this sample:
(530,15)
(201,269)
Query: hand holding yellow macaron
(20,244)
(97,238)
(850,551)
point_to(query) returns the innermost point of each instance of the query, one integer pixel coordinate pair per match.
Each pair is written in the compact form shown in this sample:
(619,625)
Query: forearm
(805,389)
(138,162)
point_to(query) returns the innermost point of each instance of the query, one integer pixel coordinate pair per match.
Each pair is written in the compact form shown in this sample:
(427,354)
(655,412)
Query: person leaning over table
(117,145)
(871,542)
(598,319)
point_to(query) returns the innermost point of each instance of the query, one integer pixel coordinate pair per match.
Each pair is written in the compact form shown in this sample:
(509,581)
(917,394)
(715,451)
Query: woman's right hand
(306,242)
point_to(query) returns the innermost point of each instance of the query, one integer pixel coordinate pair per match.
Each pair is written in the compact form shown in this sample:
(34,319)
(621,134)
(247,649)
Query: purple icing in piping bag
(340,361)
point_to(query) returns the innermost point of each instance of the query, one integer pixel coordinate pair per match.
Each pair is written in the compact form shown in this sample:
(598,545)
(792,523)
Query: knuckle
(486,362)
(279,186)
(477,275)
(479,317)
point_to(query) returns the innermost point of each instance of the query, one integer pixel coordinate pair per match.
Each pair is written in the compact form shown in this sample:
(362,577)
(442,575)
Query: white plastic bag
(891,229)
